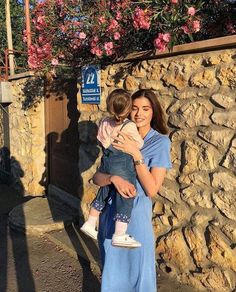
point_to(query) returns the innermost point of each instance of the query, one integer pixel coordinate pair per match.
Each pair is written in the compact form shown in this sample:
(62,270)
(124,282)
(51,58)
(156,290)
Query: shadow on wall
(33,92)
(11,171)
(71,148)
(12,195)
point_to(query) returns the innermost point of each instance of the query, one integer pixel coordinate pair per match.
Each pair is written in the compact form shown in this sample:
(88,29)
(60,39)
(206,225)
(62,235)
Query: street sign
(91,84)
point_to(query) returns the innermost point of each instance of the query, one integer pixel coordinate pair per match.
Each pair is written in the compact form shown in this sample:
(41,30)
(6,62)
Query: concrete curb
(38,216)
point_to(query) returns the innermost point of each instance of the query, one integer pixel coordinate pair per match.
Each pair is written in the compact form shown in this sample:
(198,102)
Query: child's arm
(123,186)
(131,130)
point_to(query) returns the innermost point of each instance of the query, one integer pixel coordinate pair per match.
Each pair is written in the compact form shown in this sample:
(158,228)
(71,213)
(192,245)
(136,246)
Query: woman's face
(142,113)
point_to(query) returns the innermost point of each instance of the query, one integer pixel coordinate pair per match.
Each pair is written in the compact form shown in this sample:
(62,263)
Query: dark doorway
(62,135)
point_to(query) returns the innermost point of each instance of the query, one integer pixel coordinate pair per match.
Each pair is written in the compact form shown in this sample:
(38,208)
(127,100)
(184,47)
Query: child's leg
(124,208)
(93,217)
(120,228)
(89,227)
(123,212)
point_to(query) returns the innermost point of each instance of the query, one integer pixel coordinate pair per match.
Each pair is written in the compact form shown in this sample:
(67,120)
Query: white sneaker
(89,230)
(125,240)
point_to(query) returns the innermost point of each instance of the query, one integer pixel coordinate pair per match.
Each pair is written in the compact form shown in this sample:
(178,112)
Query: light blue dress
(133,270)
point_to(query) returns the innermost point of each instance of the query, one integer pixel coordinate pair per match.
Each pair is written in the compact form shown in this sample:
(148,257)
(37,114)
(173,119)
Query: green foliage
(18,26)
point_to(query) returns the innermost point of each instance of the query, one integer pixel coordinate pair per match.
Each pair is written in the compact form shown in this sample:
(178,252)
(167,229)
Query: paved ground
(52,262)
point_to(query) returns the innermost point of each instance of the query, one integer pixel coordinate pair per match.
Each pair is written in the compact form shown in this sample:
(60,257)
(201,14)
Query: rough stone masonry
(194,216)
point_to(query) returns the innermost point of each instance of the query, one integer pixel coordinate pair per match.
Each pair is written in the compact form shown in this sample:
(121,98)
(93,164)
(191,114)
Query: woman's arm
(124,187)
(151,180)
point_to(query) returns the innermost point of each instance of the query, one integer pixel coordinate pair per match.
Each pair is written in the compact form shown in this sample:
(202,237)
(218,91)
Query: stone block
(227,75)
(174,251)
(197,244)
(181,213)
(223,100)
(219,248)
(189,114)
(218,137)
(230,159)
(226,119)
(197,196)
(199,156)
(203,78)
(199,178)
(131,84)
(225,202)
(229,229)
(175,79)
(138,72)
(223,180)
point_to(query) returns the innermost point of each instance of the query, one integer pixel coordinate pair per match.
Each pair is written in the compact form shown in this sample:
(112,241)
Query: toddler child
(115,162)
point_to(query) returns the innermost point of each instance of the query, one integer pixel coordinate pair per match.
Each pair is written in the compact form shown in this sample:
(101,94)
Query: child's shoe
(125,240)
(89,230)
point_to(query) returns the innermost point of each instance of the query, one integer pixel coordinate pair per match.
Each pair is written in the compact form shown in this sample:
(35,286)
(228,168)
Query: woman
(133,270)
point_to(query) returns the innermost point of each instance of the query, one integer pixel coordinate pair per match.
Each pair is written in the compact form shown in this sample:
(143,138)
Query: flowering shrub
(74,33)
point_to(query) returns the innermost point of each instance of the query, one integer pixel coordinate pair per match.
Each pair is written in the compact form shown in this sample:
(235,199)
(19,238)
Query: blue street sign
(91,84)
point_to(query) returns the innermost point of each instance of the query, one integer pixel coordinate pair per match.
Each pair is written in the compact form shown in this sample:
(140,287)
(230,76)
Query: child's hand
(124,187)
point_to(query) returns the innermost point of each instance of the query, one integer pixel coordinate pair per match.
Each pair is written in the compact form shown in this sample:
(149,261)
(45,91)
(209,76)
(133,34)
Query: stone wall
(1,129)
(194,216)
(27,134)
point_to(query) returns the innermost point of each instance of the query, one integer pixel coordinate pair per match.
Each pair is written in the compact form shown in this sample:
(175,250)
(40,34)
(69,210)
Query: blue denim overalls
(116,162)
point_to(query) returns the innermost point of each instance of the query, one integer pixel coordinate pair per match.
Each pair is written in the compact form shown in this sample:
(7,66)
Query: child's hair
(119,104)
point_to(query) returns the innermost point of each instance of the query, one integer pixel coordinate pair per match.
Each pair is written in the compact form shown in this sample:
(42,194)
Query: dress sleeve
(161,154)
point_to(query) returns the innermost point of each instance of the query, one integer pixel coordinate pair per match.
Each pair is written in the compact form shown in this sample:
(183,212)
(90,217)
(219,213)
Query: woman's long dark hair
(158,121)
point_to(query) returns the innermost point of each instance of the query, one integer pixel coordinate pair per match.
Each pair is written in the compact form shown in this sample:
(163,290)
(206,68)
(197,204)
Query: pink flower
(185,29)
(61,56)
(196,25)
(94,41)
(108,46)
(191,11)
(166,37)
(96,51)
(162,41)
(54,62)
(192,26)
(33,62)
(101,19)
(113,25)
(59,2)
(63,28)
(118,15)
(161,46)
(82,35)
(174,1)
(230,27)
(141,19)
(116,35)
(109,52)
(47,49)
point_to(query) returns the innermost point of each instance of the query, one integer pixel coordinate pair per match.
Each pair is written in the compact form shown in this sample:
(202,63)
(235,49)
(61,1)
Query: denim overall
(116,162)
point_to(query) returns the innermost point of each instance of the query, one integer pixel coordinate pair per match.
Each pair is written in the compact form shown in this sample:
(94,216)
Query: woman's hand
(124,187)
(126,144)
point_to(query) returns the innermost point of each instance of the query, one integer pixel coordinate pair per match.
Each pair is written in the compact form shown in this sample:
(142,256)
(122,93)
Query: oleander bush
(74,32)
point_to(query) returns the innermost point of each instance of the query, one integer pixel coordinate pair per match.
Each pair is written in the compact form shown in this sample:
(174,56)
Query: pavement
(53,219)
(59,223)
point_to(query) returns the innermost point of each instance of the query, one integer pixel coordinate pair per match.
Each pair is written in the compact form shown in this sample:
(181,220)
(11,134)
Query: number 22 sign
(91,84)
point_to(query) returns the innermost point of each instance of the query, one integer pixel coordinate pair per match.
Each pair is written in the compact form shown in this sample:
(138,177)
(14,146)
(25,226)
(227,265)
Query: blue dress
(133,270)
